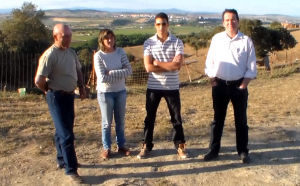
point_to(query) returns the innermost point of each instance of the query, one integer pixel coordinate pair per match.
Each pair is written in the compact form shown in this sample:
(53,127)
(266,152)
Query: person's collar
(56,47)
(238,35)
(169,37)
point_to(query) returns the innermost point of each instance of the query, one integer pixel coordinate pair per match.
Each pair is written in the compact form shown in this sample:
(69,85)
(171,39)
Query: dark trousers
(222,94)
(172,98)
(61,108)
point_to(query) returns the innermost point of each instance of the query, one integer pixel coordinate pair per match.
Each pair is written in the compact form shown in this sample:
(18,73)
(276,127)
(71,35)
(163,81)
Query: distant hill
(119,10)
(89,12)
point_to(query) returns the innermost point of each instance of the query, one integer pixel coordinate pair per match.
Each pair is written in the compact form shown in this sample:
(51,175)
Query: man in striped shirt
(163,57)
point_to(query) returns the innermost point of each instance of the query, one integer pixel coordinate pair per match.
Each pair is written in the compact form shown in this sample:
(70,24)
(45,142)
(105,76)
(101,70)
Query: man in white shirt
(230,65)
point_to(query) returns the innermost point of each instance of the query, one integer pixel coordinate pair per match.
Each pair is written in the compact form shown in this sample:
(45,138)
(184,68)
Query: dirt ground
(275,157)
(28,154)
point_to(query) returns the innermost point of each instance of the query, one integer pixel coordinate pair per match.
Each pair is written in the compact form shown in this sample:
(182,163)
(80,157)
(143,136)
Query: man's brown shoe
(144,153)
(181,151)
(106,154)
(124,150)
(75,178)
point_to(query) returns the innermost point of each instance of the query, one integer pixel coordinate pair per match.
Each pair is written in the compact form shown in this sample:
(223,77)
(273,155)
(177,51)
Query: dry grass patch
(26,122)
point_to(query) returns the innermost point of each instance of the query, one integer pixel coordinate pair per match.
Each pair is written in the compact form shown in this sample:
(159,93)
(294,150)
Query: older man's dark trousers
(61,108)
(222,94)
(153,98)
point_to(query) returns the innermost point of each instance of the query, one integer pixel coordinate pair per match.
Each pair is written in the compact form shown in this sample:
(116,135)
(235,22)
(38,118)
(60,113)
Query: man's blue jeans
(61,108)
(112,104)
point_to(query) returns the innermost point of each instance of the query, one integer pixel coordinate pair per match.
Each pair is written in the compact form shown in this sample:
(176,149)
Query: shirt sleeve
(209,63)
(147,48)
(251,61)
(46,62)
(126,71)
(78,64)
(179,47)
(100,71)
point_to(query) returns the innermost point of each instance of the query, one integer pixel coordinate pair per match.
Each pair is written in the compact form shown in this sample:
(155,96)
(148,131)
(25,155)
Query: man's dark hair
(162,16)
(230,11)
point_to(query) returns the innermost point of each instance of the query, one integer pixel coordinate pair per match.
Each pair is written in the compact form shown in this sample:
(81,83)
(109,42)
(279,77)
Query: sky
(259,7)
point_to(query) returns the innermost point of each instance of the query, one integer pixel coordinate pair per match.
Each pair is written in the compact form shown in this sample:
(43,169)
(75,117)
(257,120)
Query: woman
(112,67)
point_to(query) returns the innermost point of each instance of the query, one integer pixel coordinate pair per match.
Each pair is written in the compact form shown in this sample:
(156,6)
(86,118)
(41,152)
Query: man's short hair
(230,11)
(162,16)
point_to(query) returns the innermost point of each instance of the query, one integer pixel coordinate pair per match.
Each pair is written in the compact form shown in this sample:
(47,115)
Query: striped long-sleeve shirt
(118,66)
(163,52)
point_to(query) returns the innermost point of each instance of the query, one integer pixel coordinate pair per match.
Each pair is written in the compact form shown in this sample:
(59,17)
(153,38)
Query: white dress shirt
(231,59)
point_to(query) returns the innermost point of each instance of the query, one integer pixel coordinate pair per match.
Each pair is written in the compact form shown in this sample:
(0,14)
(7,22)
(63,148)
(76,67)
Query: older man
(230,65)
(58,74)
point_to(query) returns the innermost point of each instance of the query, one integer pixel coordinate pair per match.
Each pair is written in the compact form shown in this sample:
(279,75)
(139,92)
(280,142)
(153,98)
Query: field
(27,153)
(82,36)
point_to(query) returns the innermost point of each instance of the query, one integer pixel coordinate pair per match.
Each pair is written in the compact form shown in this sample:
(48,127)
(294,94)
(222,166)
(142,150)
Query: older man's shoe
(59,166)
(75,178)
(210,155)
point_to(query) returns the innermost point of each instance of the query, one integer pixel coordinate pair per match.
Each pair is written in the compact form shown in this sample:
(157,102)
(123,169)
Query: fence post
(23,81)
(27,71)
(5,70)
(19,77)
(15,74)
(2,61)
(187,71)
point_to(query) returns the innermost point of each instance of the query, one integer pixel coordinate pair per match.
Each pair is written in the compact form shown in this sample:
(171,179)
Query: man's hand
(177,59)
(82,93)
(245,83)
(213,84)
(242,86)
(154,62)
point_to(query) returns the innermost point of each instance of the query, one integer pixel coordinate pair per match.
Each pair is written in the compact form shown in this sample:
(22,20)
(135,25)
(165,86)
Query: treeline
(265,39)
(121,22)
(121,41)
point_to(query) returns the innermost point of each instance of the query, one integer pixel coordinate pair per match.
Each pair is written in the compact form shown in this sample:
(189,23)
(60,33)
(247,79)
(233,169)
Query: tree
(216,30)
(25,32)
(93,43)
(2,46)
(120,22)
(85,56)
(281,39)
(267,40)
(275,24)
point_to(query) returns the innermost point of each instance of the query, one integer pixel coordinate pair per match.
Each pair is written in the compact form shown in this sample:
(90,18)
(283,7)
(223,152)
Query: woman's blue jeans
(113,105)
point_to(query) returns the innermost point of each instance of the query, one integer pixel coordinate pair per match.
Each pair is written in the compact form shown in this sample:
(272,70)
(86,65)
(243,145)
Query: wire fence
(17,70)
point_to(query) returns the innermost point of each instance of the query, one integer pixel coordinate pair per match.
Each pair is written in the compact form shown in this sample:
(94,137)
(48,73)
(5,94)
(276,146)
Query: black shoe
(245,158)
(211,155)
